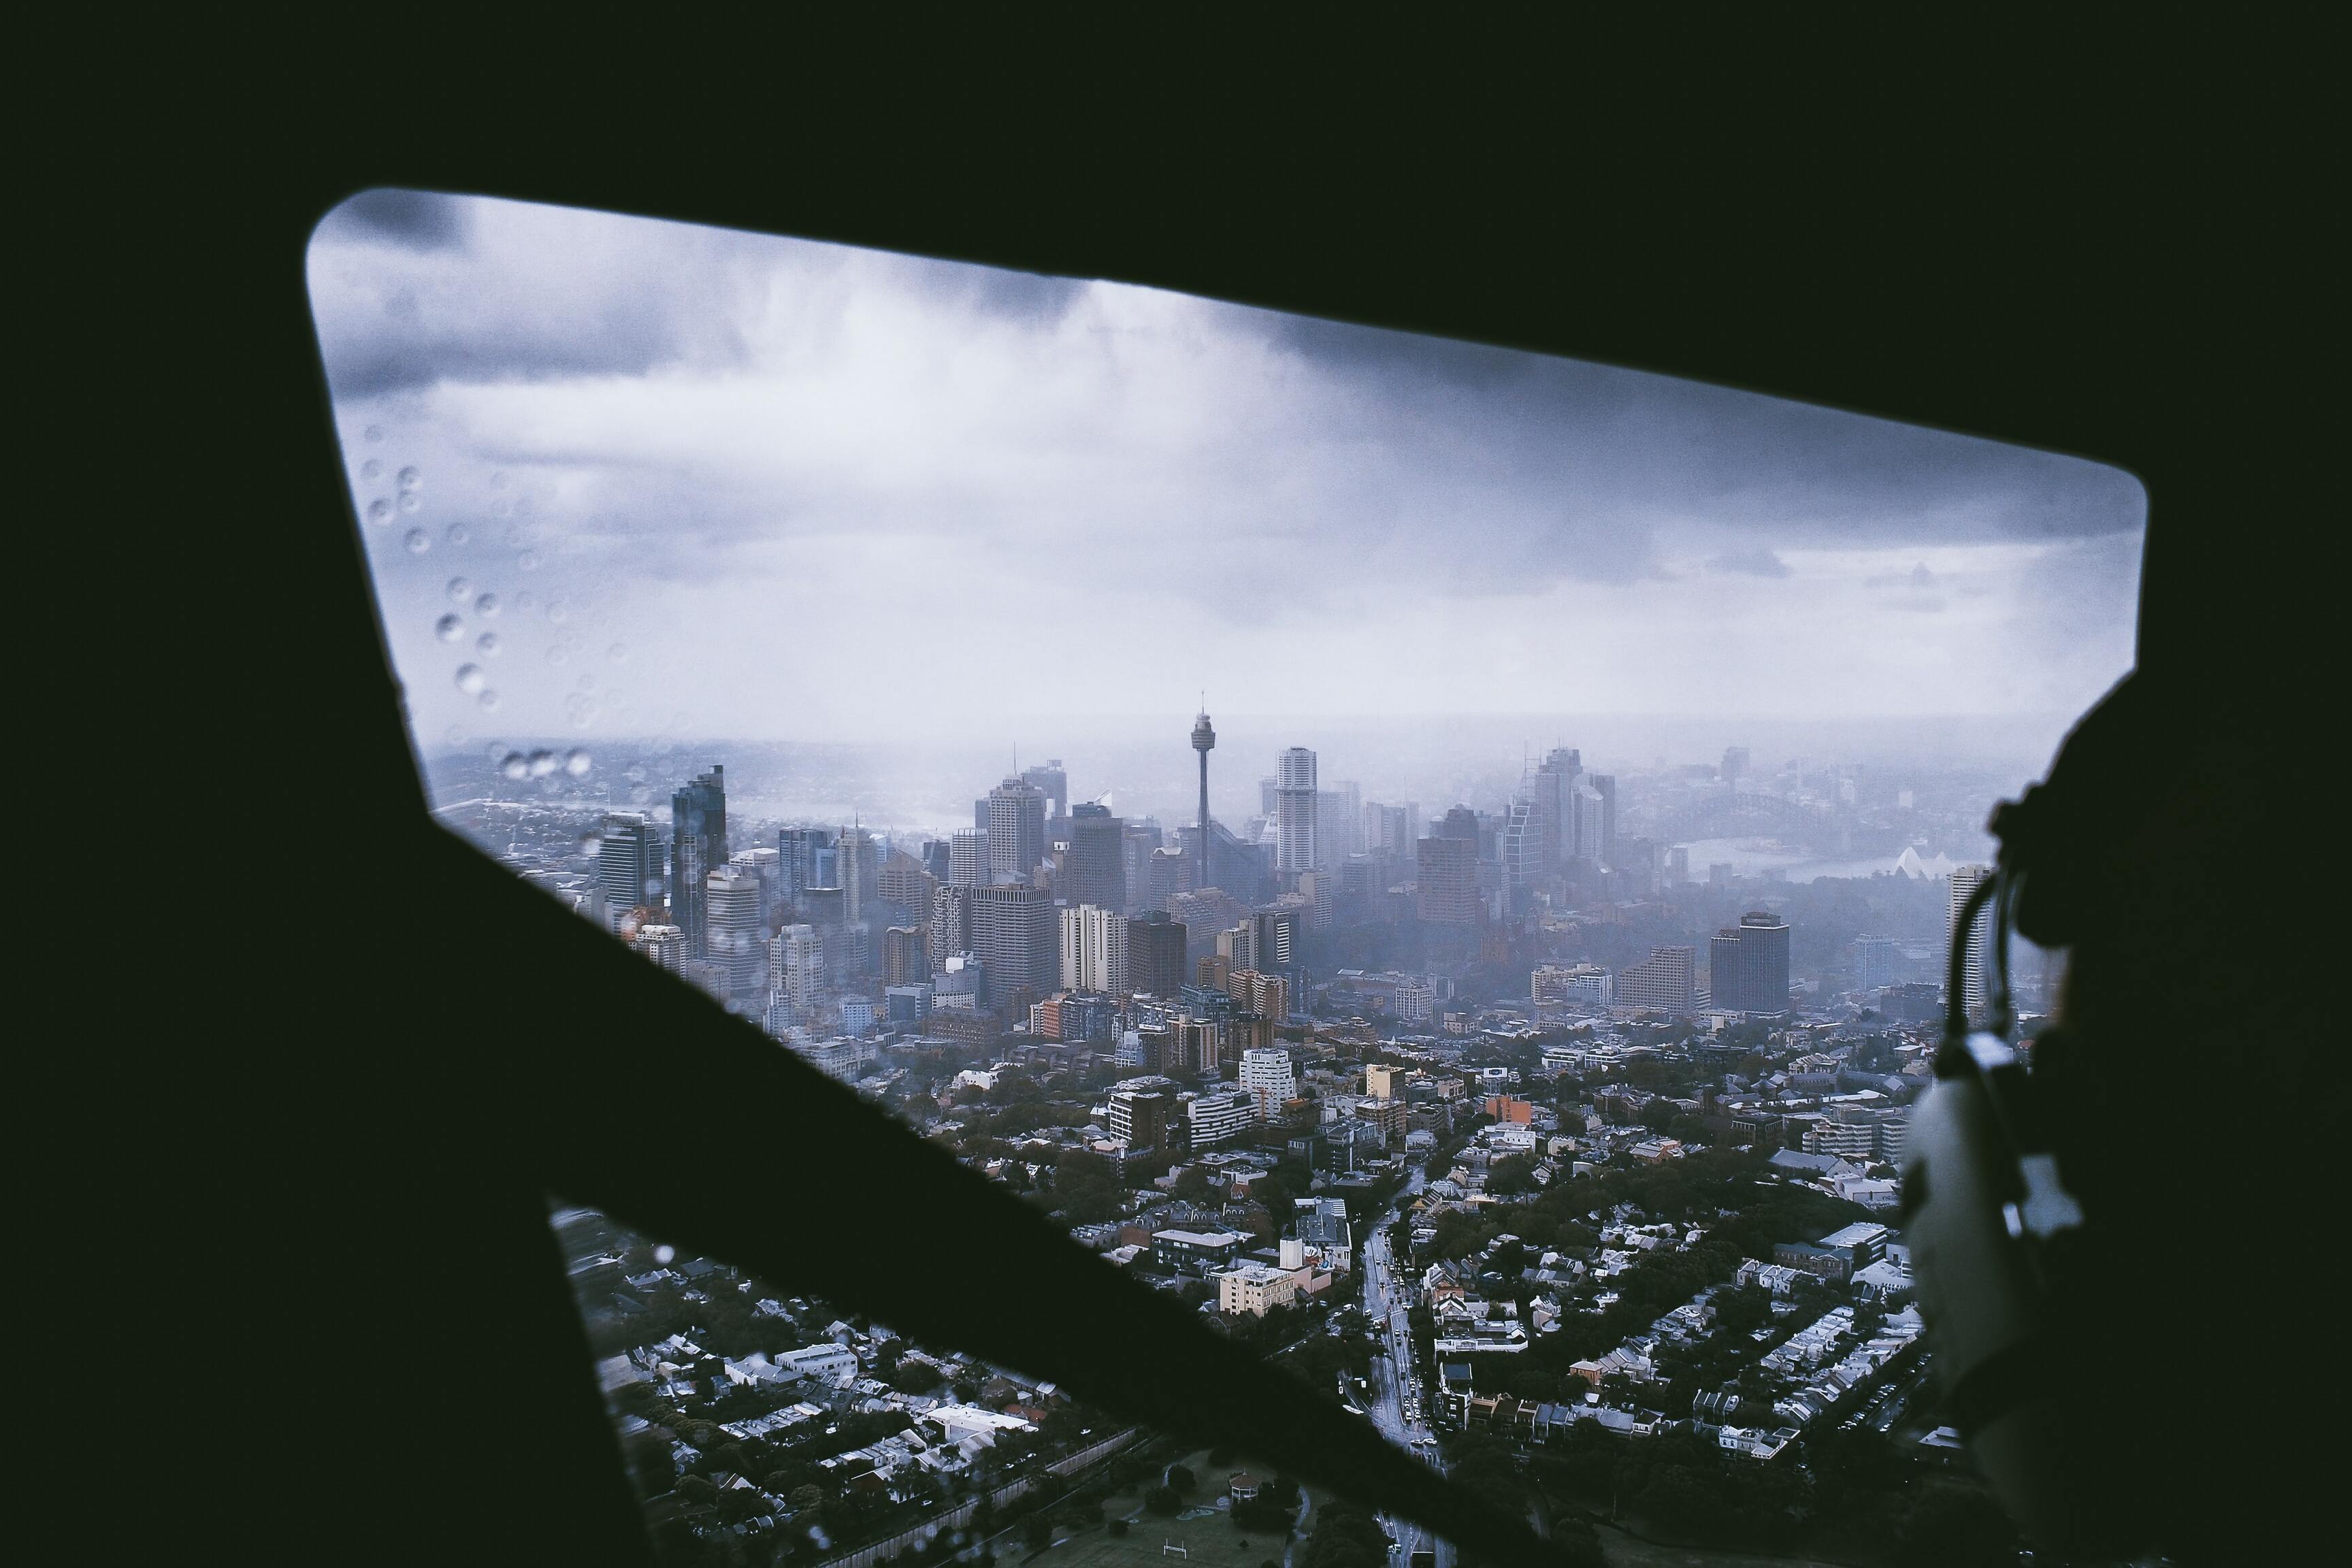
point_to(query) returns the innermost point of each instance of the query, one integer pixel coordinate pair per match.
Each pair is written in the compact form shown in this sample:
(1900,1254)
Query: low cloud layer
(816,491)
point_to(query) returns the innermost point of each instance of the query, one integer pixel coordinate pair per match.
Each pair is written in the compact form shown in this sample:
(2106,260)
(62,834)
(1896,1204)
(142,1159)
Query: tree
(1162,1500)
(1118,1527)
(915,1377)
(1181,1478)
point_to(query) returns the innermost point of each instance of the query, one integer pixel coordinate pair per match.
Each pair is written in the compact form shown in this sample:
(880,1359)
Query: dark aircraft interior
(2031,239)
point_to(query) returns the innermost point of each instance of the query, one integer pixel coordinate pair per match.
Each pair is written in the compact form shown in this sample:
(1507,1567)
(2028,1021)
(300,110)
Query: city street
(1396,1405)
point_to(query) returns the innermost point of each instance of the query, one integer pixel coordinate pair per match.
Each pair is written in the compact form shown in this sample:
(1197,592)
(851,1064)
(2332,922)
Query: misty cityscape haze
(1348,824)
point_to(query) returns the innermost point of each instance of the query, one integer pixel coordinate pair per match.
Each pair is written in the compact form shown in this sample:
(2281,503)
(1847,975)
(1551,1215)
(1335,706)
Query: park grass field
(1211,1540)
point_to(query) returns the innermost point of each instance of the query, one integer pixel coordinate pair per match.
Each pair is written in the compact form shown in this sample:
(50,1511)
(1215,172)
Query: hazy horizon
(726,484)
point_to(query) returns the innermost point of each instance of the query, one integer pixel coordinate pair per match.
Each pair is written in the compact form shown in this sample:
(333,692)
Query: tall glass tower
(697,848)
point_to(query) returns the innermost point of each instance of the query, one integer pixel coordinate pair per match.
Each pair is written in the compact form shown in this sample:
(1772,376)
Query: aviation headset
(1992,1228)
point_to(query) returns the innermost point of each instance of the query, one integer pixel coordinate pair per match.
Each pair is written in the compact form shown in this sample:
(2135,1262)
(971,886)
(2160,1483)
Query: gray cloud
(1757,562)
(748,448)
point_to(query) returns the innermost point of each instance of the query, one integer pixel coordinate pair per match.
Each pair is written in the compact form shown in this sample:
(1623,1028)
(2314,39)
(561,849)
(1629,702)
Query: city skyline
(768,488)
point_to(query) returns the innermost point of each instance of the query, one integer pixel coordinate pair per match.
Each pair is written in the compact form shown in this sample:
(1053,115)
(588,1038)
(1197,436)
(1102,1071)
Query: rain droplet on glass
(523,601)
(577,763)
(500,507)
(460,589)
(489,699)
(456,533)
(513,765)
(619,653)
(587,683)
(556,654)
(370,468)
(542,763)
(558,610)
(487,605)
(411,480)
(528,559)
(411,503)
(373,432)
(448,629)
(488,645)
(379,510)
(470,678)
(418,542)
(664,1253)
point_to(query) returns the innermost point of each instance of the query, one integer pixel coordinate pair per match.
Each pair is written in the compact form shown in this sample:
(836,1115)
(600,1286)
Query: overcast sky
(751,487)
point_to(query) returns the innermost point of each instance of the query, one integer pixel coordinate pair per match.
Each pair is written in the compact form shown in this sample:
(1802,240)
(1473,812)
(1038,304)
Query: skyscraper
(698,846)
(1204,738)
(1339,824)
(1052,783)
(731,905)
(1447,876)
(1747,965)
(796,969)
(1155,954)
(628,866)
(1268,1078)
(968,859)
(1665,982)
(1015,932)
(1605,786)
(1555,782)
(950,922)
(1097,863)
(1094,949)
(905,955)
(1587,810)
(1016,831)
(859,864)
(1877,959)
(1735,763)
(1977,969)
(1293,811)
(805,860)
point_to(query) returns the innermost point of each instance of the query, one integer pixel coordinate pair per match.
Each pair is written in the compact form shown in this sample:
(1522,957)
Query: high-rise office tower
(1747,965)
(1665,982)
(698,847)
(664,943)
(796,969)
(1268,1078)
(1524,855)
(950,922)
(1016,831)
(802,861)
(1053,783)
(905,883)
(731,915)
(1605,786)
(905,955)
(859,863)
(628,866)
(1096,868)
(1293,811)
(935,860)
(1204,740)
(1877,963)
(1094,949)
(1391,829)
(1588,809)
(968,859)
(1446,868)
(1155,954)
(1339,824)
(1735,763)
(1137,841)
(1554,790)
(1238,947)
(1976,968)
(1016,936)
(1678,865)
